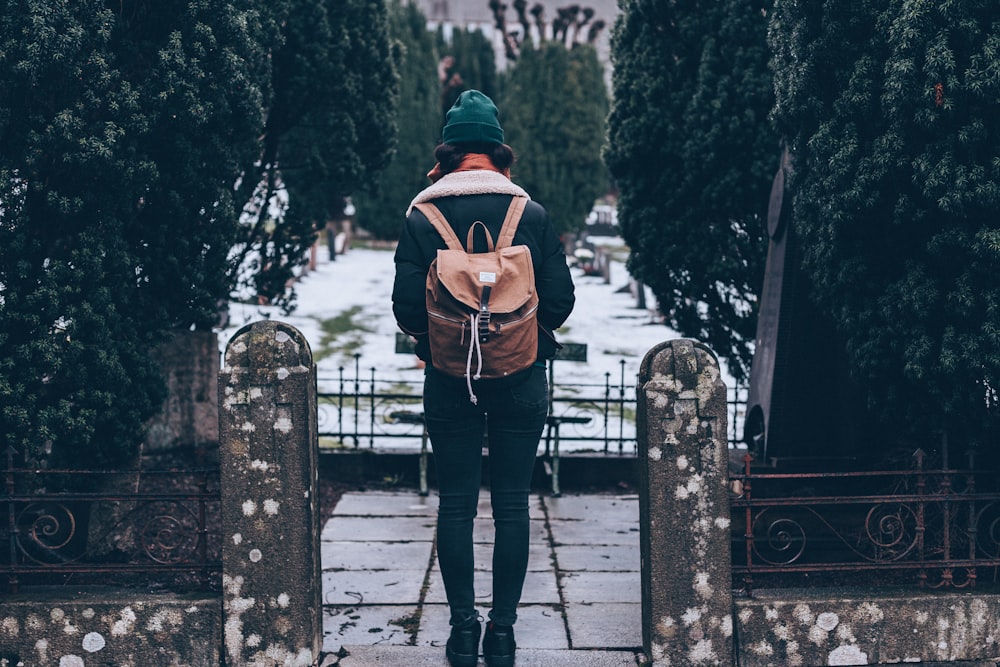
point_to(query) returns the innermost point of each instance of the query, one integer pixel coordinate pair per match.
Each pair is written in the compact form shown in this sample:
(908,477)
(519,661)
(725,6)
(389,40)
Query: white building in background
(476,14)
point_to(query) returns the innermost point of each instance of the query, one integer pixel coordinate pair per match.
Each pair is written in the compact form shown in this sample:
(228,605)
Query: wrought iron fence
(364,409)
(931,527)
(146,526)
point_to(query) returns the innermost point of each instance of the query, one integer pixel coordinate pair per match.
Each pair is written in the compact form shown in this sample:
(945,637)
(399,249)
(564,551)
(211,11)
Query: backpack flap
(465,276)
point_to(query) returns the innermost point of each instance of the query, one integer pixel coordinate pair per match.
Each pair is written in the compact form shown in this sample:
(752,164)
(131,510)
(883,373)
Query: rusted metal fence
(932,527)
(150,525)
(361,408)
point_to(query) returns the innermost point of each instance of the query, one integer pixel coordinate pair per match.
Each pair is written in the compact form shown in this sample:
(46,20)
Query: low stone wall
(73,627)
(270,611)
(794,628)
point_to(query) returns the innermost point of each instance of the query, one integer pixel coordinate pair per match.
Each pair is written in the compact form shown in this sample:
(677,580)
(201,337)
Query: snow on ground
(344,308)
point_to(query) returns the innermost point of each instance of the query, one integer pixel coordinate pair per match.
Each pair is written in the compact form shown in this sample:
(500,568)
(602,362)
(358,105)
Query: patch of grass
(329,442)
(625,412)
(342,334)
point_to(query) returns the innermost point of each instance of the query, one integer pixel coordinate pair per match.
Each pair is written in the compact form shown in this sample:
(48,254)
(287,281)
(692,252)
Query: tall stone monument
(802,403)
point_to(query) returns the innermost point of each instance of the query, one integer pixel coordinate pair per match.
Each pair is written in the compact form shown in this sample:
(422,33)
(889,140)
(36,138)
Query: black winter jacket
(419,243)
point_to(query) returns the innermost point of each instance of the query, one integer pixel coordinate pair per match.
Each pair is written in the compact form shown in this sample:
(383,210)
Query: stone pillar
(272,589)
(684,522)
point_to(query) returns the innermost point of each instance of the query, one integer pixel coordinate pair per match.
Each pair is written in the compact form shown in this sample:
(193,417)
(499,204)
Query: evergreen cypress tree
(469,63)
(330,129)
(120,136)
(553,111)
(692,152)
(433,72)
(890,110)
(381,211)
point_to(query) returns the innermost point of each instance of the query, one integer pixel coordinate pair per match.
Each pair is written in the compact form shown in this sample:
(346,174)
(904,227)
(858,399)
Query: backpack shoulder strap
(509,227)
(439,223)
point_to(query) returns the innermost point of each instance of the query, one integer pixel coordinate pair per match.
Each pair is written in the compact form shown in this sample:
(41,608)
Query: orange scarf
(471,162)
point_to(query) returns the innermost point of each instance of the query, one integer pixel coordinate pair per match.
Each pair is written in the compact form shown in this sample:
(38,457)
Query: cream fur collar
(476,182)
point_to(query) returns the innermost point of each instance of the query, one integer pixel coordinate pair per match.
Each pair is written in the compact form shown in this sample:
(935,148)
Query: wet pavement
(384,601)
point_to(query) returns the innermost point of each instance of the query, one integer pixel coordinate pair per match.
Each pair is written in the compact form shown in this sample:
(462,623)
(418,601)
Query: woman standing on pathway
(470,183)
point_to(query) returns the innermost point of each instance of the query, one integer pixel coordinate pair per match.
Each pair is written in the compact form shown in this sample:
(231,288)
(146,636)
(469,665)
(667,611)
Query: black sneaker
(463,645)
(499,645)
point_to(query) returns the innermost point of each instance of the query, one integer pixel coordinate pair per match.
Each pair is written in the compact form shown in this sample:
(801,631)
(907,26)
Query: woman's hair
(449,156)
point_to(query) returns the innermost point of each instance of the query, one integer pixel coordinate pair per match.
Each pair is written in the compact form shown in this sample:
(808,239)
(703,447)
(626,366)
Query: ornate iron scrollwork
(891,532)
(45,531)
(782,541)
(169,533)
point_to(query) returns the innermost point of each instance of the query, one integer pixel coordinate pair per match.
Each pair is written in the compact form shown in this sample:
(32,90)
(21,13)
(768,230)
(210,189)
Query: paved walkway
(384,601)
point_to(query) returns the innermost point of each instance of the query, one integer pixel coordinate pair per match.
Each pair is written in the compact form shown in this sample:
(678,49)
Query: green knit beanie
(472,119)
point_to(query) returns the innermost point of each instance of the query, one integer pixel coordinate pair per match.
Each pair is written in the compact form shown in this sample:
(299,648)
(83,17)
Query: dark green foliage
(693,155)
(381,211)
(553,112)
(121,131)
(465,62)
(890,108)
(468,62)
(330,129)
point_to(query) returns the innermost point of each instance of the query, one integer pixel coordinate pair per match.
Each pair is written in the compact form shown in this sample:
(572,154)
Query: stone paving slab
(605,625)
(539,588)
(365,624)
(375,555)
(386,504)
(418,656)
(594,508)
(590,587)
(599,558)
(384,529)
(594,532)
(373,587)
(538,626)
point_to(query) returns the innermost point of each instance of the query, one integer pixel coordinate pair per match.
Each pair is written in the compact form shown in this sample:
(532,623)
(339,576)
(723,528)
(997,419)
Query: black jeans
(512,419)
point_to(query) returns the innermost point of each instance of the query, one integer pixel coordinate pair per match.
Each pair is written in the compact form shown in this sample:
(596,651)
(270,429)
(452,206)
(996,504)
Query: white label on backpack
(487,277)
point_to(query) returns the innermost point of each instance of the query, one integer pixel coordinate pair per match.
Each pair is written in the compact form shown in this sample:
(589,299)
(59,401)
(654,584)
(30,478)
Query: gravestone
(801,403)
(189,418)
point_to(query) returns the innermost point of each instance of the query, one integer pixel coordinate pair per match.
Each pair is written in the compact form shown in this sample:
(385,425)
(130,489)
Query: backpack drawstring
(473,346)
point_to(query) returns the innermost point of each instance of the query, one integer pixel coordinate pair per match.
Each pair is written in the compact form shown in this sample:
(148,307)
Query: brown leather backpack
(481,307)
